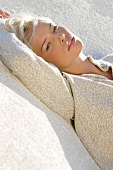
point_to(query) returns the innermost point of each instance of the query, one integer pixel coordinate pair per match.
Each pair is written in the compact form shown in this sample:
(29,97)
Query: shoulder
(104,63)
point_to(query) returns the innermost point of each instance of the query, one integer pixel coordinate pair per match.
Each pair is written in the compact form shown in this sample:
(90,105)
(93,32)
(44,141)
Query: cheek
(57,56)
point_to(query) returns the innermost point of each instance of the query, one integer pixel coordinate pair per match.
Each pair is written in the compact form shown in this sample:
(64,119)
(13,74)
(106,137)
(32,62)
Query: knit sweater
(93,99)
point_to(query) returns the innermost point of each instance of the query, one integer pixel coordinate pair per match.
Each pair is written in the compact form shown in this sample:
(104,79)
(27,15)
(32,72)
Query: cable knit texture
(93,95)
(42,79)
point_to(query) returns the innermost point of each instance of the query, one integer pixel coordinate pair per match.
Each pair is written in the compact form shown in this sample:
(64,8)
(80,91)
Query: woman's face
(56,44)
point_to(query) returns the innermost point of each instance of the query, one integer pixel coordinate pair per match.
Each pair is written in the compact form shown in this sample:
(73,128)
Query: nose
(61,37)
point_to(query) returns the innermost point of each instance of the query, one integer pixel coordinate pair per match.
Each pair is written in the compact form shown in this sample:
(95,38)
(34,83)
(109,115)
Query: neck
(82,65)
(80,58)
(79,65)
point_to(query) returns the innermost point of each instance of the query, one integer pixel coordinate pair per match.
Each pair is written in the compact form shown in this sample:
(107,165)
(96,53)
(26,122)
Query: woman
(57,45)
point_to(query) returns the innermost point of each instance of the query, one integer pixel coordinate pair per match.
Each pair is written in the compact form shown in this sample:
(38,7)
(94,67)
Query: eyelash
(55,28)
(48,46)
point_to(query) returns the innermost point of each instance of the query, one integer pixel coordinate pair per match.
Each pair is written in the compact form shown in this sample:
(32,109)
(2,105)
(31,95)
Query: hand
(4,14)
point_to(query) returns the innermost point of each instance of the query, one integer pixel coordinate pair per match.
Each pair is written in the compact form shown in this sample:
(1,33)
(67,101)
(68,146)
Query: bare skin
(57,45)
(84,66)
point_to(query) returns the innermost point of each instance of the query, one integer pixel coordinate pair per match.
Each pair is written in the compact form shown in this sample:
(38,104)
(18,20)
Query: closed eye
(48,46)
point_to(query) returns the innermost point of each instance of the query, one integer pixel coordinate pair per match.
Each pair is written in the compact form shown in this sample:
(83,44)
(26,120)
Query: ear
(25,29)
(27,26)
(28,30)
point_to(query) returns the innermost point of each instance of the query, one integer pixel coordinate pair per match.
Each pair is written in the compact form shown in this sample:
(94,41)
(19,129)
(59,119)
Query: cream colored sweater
(93,98)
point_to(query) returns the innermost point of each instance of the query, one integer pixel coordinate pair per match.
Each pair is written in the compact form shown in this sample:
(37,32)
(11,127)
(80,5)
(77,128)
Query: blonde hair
(24,27)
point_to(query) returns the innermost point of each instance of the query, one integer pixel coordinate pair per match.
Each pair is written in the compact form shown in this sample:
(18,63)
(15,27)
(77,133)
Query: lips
(71,42)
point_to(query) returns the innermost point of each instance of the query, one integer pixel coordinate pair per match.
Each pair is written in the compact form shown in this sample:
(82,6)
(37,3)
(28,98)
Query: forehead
(45,20)
(42,25)
(42,29)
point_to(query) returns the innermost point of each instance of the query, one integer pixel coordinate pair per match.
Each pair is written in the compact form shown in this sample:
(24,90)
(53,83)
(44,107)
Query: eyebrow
(43,45)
